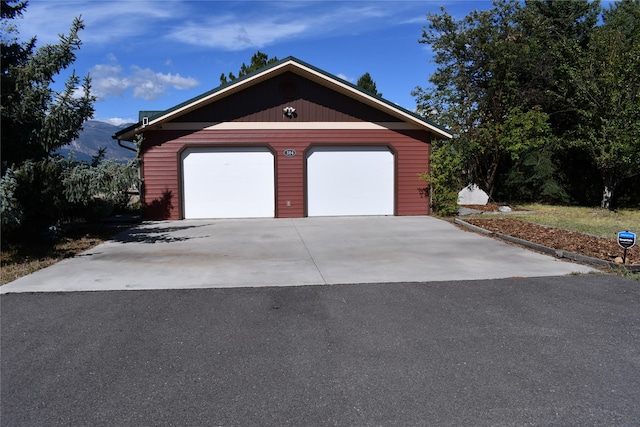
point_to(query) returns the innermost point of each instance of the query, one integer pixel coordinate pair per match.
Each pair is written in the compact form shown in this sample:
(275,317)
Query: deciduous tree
(477,89)
(526,88)
(604,88)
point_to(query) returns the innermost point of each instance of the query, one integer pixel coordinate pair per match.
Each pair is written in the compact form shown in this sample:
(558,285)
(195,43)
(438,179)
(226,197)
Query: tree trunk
(492,176)
(607,195)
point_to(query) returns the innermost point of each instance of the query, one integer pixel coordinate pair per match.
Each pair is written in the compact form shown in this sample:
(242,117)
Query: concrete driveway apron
(290,252)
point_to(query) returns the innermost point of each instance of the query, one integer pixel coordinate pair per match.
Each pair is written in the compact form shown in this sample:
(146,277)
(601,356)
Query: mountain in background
(94,136)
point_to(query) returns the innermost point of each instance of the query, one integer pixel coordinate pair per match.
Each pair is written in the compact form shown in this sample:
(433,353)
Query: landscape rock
(463,210)
(472,195)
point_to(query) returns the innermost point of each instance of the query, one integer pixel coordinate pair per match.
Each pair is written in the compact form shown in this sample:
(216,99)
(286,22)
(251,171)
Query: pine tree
(36,120)
(366,82)
(258,60)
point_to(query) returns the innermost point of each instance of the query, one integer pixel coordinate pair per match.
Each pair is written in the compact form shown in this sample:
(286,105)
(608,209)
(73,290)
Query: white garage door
(228,183)
(350,181)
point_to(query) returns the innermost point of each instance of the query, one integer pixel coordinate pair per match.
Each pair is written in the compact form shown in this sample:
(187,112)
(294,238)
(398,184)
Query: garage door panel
(235,183)
(350,181)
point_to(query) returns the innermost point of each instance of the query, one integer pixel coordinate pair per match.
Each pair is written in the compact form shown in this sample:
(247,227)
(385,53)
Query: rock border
(558,253)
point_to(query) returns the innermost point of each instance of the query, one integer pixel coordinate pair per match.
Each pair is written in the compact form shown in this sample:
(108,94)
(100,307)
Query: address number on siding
(290,152)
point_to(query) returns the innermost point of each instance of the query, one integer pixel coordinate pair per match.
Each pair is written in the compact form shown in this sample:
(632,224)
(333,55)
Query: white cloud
(266,23)
(104,21)
(421,19)
(347,78)
(150,85)
(109,80)
(229,33)
(106,80)
(78,92)
(226,25)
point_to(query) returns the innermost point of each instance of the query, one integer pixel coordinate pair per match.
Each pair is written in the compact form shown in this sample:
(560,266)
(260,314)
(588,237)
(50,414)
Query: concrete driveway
(290,252)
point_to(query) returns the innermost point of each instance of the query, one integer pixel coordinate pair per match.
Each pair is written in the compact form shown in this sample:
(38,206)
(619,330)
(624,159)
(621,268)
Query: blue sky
(152,55)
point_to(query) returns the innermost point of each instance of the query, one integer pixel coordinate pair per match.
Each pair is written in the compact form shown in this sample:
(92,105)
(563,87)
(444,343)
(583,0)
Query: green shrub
(10,212)
(444,179)
(41,194)
(107,180)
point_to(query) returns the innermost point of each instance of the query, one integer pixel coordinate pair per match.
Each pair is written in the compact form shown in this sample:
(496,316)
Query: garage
(286,141)
(344,181)
(228,183)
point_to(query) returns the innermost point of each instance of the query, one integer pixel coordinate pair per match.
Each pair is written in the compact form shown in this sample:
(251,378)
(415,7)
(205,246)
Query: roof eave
(129,133)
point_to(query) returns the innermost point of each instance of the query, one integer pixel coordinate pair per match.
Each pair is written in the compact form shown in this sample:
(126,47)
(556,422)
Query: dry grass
(22,258)
(594,221)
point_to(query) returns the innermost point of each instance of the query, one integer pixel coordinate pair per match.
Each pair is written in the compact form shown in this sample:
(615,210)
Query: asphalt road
(546,351)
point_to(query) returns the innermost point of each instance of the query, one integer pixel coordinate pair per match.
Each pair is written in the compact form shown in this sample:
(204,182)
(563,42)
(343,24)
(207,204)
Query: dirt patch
(570,241)
(20,258)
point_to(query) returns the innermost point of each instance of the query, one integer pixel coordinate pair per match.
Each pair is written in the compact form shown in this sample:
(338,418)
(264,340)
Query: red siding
(162,175)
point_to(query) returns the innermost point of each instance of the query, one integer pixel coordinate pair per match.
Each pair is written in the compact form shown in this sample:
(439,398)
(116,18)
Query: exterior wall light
(290,112)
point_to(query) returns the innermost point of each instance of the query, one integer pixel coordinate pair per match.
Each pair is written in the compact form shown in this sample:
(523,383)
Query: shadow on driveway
(162,234)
